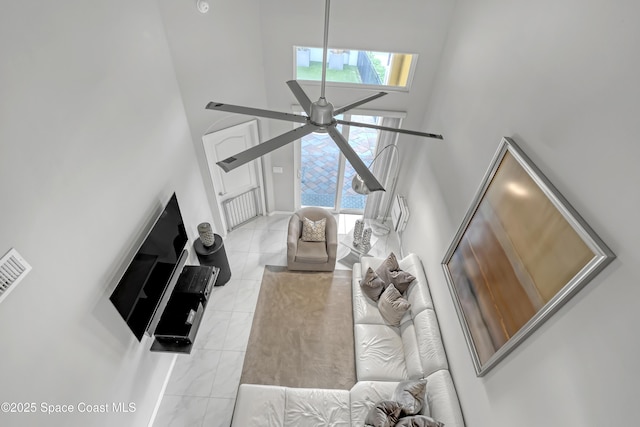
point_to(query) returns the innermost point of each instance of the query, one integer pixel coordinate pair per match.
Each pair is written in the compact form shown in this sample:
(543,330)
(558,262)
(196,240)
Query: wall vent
(13,268)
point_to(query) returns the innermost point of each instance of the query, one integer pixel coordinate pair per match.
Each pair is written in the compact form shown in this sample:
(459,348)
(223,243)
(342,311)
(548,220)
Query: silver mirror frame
(603,256)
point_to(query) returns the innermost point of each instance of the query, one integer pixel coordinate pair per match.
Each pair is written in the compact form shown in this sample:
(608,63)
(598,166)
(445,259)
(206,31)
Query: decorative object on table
(357,232)
(206,234)
(320,117)
(366,237)
(521,252)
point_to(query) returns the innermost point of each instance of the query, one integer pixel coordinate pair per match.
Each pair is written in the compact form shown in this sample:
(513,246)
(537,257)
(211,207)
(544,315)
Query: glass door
(325,176)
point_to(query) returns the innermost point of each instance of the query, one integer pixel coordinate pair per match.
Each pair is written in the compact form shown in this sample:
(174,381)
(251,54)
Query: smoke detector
(203,6)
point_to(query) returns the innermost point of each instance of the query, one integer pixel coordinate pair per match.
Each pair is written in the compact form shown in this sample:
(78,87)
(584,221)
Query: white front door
(225,143)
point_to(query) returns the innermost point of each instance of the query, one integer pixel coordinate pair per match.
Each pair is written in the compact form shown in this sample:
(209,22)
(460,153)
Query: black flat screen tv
(143,285)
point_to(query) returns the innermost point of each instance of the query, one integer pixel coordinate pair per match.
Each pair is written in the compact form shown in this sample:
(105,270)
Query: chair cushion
(312,252)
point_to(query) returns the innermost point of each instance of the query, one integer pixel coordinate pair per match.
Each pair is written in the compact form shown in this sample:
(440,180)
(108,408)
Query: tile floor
(203,385)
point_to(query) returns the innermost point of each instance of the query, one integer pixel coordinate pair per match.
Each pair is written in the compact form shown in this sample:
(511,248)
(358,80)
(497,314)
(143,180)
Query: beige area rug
(302,332)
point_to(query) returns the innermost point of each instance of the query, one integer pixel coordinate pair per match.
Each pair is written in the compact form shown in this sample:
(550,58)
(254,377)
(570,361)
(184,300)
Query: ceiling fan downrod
(325,47)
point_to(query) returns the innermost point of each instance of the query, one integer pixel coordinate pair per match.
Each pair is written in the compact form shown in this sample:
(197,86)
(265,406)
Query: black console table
(180,321)
(214,255)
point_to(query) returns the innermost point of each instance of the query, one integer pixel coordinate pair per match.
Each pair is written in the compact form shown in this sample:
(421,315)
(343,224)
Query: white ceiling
(241,52)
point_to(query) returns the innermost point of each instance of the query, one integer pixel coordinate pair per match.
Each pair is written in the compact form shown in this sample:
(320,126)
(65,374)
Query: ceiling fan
(321,118)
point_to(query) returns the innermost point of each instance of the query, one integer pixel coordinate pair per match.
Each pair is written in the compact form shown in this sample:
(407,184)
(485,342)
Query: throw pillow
(410,395)
(388,265)
(371,285)
(384,414)
(401,280)
(392,306)
(313,231)
(418,421)
(389,271)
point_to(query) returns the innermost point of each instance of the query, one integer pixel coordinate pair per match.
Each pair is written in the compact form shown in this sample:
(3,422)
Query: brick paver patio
(320,166)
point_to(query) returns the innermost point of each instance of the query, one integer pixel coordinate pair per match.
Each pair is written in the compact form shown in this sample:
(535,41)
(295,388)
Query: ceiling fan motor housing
(321,113)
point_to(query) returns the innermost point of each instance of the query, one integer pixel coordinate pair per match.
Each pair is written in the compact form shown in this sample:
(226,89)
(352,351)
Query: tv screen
(144,282)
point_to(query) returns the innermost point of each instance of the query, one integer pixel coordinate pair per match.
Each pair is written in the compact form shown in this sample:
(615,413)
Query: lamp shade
(358,185)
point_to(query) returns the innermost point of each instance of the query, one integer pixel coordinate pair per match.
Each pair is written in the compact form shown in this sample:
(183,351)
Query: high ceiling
(241,52)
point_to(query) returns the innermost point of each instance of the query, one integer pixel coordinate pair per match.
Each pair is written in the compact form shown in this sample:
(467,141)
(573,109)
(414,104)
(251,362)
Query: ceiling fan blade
(355,104)
(408,132)
(269,114)
(300,95)
(369,180)
(259,150)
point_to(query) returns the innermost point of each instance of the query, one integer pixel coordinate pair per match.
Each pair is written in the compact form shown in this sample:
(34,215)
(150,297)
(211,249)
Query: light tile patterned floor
(203,385)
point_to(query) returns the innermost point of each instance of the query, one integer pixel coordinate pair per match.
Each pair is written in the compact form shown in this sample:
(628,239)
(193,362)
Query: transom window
(393,71)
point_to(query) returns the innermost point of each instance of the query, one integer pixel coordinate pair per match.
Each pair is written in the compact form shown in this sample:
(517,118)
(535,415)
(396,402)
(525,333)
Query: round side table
(214,255)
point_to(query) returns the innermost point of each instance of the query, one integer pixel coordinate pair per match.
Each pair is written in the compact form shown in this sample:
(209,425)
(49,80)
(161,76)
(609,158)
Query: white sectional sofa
(385,355)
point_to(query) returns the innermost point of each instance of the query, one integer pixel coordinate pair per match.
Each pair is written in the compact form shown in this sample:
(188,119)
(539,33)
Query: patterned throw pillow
(313,231)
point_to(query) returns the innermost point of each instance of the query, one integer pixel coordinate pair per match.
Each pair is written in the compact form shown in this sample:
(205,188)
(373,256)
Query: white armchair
(312,256)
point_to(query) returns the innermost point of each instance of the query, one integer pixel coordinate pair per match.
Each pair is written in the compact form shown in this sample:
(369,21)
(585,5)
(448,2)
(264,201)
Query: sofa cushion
(260,405)
(430,348)
(379,353)
(383,414)
(317,407)
(372,285)
(364,309)
(419,297)
(370,262)
(312,252)
(411,396)
(411,349)
(392,306)
(443,400)
(365,394)
(418,293)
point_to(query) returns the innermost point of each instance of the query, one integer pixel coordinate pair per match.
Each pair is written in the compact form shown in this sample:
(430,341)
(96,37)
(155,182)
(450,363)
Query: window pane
(363,141)
(355,66)
(319,163)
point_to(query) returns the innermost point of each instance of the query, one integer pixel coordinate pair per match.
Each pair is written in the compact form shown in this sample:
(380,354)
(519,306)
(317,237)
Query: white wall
(93,141)
(217,57)
(561,78)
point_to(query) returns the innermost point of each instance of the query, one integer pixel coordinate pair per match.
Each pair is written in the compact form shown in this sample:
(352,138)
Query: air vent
(13,268)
